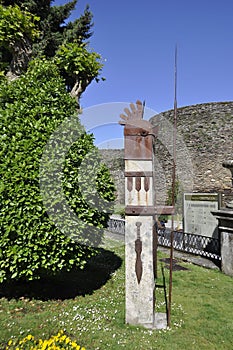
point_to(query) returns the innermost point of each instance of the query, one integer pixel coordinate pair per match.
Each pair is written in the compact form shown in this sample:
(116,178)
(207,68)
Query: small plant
(55,342)
(170,193)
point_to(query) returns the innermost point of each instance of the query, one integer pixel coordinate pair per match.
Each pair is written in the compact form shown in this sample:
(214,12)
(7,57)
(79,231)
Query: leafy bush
(47,194)
(78,65)
(15,23)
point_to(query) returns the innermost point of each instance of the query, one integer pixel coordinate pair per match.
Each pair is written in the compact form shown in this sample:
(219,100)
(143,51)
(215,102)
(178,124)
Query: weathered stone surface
(139,296)
(207,132)
(114,159)
(227,253)
(225,219)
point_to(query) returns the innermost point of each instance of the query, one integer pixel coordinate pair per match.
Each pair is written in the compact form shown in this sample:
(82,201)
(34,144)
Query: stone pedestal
(225,225)
(139,218)
(139,282)
(140,242)
(139,222)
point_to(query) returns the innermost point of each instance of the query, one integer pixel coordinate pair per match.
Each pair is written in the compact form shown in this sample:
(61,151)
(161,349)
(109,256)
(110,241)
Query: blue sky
(137,41)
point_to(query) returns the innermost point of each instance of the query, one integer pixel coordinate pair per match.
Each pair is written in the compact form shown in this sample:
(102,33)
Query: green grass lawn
(89,306)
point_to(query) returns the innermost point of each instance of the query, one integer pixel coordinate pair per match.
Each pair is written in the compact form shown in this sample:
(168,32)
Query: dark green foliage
(35,29)
(53,28)
(34,109)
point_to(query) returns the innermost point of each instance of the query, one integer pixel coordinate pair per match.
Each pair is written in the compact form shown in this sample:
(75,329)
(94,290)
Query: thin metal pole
(173,194)
(143,108)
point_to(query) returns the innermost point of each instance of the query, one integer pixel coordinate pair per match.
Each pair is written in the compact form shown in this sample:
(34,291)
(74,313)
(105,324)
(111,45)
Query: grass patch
(90,307)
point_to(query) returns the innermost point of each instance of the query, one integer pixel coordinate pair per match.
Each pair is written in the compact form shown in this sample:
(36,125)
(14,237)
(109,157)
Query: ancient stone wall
(114,159)
(204,141)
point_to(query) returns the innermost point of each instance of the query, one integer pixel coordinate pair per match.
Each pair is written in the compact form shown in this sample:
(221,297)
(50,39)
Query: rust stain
(139,199)
(138,184)
(129,184)
(147,198)
(137,146)
(146,183)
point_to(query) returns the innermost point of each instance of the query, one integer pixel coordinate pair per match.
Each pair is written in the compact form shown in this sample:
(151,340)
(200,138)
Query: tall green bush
(37,234)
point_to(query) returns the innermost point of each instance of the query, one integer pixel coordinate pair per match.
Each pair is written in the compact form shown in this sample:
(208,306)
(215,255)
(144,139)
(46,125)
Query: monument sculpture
(140,211)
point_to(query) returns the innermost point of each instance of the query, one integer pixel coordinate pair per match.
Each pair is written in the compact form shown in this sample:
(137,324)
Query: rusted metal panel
(139,210)
(129,184)
(148,210)
(138,146)
(146,183)
(168,210)
(138,173)
(138,183)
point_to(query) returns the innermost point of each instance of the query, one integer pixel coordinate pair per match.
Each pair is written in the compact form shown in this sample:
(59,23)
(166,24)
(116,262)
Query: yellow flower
(48,344)
(30,337)
(67,340)
(44,345)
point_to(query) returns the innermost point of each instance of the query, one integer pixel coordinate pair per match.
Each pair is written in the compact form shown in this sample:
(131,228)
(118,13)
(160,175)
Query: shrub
(36,230)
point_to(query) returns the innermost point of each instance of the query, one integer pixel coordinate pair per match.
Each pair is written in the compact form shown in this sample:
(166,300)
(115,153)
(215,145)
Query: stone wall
(204,141)
(114,159)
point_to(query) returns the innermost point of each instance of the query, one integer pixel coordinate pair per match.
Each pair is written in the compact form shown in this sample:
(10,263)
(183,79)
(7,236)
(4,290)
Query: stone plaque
(197,214)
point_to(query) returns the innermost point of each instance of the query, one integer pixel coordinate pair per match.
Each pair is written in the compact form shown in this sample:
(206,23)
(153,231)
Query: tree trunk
(78,88)
(21,51)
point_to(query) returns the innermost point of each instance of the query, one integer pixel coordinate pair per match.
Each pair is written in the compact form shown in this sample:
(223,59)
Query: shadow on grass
(66,285)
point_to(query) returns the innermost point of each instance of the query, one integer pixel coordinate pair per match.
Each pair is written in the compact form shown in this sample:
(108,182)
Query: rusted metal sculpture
(139,136)
(140,212)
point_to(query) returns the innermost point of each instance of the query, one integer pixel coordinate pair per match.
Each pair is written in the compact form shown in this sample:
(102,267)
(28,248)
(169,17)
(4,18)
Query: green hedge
(48,188)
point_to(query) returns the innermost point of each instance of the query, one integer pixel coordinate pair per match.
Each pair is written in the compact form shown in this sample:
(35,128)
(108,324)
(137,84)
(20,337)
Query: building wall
(204,141)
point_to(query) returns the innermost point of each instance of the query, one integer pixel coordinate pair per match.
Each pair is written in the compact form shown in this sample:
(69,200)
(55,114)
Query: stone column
(139,220)
(225,227)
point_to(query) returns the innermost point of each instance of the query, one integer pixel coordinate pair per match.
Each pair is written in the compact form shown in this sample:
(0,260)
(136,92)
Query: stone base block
(160,322)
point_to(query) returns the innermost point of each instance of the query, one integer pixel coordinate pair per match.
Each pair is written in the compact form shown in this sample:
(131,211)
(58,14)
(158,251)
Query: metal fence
(116,225)
(208,247)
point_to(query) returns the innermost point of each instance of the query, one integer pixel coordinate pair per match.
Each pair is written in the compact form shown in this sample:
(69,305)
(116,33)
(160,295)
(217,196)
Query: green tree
(17,31)
(51,34)
(33,107)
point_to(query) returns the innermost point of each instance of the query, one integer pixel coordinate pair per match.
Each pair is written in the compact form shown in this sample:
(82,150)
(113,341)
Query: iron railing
(116,225)
(208,247)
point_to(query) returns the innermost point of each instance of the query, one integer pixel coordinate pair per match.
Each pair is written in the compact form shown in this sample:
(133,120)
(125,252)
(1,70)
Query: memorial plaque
(197,213)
